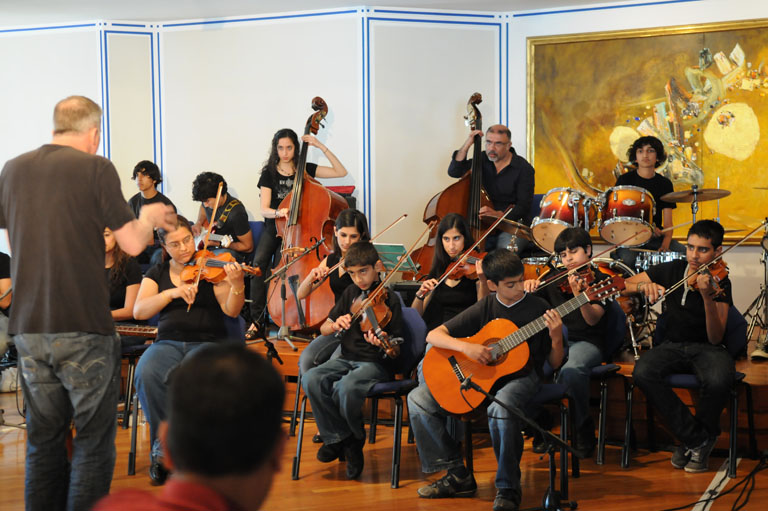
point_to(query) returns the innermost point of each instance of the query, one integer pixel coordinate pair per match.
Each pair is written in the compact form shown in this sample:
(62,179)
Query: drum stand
(757,312)
(694,202)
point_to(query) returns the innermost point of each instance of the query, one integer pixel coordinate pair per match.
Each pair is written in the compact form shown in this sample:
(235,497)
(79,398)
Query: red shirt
(177,495)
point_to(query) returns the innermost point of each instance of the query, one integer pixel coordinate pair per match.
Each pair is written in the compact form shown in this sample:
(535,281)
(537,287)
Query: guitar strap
(227,210)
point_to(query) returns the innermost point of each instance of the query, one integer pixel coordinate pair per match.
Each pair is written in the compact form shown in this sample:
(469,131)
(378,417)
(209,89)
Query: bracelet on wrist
(237,292)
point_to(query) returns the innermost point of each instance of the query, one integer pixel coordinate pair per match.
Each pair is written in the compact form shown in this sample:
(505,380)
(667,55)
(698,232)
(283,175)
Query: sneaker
(449,486)
(353,452)
(680,457)
(761,350)
(700,456)
(506,501)
(329,452)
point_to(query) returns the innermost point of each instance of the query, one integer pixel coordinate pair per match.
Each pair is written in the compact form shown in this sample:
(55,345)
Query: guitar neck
(537,325)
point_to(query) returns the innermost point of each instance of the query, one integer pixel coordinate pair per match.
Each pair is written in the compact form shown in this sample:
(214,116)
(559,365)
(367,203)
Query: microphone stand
(284,333)
(551,500)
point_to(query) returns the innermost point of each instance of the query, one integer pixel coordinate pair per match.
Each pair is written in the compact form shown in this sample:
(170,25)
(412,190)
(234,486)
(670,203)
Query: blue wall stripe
(262,18)
(105,105)
(137,25)
(603,8)
(103,84)
(445,22)
(389,11)
(58,27)
(160,113)
(154,114)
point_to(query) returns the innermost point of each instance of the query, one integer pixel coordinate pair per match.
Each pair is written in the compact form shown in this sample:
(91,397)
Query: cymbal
(633,249)
(510,226)
(726,231)
(703,194)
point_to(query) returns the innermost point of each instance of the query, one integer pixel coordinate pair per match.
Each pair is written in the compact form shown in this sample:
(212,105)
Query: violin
(468,267)
(376,315)
(584,274)
(211,268)
(716,271)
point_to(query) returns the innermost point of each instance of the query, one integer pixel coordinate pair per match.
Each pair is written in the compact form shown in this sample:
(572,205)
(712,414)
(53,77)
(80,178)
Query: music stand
(390,254)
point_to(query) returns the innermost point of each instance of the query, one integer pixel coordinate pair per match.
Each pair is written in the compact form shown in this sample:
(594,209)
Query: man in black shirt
(231,217)
(147,177)
(437,449)
(647,153)
(695,318)
(507,178)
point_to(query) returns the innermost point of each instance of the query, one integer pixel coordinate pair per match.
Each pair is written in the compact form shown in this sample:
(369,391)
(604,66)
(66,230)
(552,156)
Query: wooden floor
(649,484)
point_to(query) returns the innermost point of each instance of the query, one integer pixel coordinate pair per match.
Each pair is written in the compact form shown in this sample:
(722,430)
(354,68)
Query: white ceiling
(39,12)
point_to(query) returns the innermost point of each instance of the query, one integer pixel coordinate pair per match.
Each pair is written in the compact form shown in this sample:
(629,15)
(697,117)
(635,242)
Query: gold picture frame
(702,89)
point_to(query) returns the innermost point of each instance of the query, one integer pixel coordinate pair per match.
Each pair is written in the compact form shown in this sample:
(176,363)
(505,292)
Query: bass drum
(635,306)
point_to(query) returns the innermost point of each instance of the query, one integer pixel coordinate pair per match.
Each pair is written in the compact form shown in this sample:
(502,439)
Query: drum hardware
(757,312)
(694,196)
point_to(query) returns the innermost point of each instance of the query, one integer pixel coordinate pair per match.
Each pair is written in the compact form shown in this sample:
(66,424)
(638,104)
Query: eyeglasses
(177,244)
(496,144)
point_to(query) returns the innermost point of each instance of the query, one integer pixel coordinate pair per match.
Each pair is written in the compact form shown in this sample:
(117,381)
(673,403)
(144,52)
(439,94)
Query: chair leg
(294,415)
(374,420)
(601,422)
(628,388)
(733,432)
(751,421)
(411,438)
(128,390)
(397,441)
(650,425)
(134,427)
(575,462)
(299,439)
(563,452)
(468,455)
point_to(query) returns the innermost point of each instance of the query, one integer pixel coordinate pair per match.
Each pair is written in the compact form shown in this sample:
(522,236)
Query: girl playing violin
(436,303)
(179,332)
(275,184)
(586,334)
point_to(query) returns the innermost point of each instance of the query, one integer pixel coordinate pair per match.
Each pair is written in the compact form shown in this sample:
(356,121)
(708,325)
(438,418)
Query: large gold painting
(703,90)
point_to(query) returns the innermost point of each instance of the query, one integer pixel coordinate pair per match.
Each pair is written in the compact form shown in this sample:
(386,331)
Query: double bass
(312,212)
(466,196)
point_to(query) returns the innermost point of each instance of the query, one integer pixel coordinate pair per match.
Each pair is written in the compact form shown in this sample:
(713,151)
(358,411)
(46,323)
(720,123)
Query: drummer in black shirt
(647,154)
(695,320)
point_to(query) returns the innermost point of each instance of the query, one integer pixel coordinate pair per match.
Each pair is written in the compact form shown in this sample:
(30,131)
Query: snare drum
(562,208)
(647,259)
(534,267)
(627,211)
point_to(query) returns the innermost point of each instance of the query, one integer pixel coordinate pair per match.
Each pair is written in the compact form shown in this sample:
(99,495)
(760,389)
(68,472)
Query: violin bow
(466,253)
(576,268)
(703,267)
(341,261)
(201,260)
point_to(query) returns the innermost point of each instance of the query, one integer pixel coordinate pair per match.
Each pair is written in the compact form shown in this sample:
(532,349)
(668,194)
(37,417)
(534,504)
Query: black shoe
(585,445)
(449,486)
(257,331)
(353,452)
(317,439)
(506,501)
(158,473)
(699,461)
(539,445)
(680,457)
(329,452)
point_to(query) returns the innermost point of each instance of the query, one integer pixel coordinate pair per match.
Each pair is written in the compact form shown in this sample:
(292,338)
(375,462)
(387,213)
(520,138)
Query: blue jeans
(336,391)
(69,376)
(152,379)
(712,365)
(439,450)
(574,374)
(320,350)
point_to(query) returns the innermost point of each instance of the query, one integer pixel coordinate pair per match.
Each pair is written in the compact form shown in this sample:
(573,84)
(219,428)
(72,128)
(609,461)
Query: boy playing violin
(586,333)
(337,388)
(695,317)
(438,450)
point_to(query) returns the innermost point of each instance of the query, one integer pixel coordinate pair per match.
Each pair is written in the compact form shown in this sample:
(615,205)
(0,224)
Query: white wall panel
(422,75)
(227,88)
(129,111)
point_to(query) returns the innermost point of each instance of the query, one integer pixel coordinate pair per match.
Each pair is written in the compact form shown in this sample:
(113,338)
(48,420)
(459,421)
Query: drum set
(623,216)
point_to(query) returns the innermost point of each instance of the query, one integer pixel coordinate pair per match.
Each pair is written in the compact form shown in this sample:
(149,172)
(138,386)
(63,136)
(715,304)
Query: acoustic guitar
(445,370)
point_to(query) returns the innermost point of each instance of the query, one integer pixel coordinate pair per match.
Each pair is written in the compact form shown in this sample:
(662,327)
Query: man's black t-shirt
(353,344)
(5,273)
(138,201)
(56,202)
(203,323)
(529,308)
(513,185)
(685,322)
(658,185)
